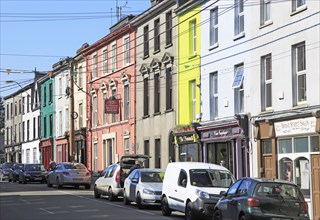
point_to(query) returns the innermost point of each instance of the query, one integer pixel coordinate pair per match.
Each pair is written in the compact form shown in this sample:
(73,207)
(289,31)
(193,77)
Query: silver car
(143,186)
(68,173)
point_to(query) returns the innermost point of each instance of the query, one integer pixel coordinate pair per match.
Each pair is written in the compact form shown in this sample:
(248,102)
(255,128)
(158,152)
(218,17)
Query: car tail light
(252,202)
(304,209)
(66,173)
(118,177)
(87,174)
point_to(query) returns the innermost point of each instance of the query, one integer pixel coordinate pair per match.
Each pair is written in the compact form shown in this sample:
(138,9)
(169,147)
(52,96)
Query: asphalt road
(38,202)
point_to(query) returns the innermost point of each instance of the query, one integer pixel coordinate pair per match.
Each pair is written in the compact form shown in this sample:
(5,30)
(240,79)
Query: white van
(193,188)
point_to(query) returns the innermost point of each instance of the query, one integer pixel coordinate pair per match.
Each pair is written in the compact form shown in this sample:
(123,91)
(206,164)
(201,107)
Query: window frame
(214,95)
(146,41)
(169,28)
(214,28)
(239,17)
(299,73)
(265,82)
(156,36)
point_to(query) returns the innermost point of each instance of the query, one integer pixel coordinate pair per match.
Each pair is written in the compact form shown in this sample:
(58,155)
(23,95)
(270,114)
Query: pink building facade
(111,96)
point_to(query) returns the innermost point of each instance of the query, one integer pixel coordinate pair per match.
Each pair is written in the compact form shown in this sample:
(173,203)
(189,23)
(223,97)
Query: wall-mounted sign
(221,133)
(295,127)
(111,106)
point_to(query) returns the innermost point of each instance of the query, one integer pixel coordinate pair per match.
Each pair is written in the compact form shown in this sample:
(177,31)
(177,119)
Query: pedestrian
(137,165)
(52,165)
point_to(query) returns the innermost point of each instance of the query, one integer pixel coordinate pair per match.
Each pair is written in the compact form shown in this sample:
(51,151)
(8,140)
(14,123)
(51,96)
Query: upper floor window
(113,57)
(94,110)
(80,115)
(44,127)
(20,106)
(213,27)
(36,101)
(265,7)
(60,86)
(105,61)
(95,66)
(239,17)
(296,4)
(168,88)
(44,97)
(193,101)
(193,37)
(145,96)
(266,82)
(213,95)
(104,98)
(34,128)
(15,109)
(299,73)
(238,89)
(126,101)
(50,95)
(157,35)
(169,28)
(67,116)
(28,100)
(157,91)
(114,95)
(146,41)
(126,50)
(60,122)
(80,77)
(51,126)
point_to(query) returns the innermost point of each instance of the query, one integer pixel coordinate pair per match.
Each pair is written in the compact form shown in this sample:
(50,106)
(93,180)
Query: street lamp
(13,81)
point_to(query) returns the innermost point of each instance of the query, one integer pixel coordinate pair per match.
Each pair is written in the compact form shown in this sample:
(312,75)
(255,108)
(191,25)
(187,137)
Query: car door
(99,181)
(180,191)
(133,185)
(228,202)
(107,180)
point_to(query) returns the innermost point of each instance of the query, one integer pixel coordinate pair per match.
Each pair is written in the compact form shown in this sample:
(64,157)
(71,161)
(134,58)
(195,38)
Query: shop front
(80,145)
(226,144)
(288,149)
(187,142)
(46,151)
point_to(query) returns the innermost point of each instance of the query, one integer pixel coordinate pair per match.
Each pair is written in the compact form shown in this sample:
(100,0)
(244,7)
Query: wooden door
(315,163)
(269,169)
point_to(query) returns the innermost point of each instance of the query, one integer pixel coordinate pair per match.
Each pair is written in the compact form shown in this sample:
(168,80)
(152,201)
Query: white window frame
(113,57)
(126,142)
(80,77)
(193,35)
(265,11)
(60,86)
(80,114)
(239,92)
(298,4)
(105,61)
(126,94)
(34,152)
(126,50)
(104,98)
(214,97)
(266,82)
(299,73)
(60,122)
(95,110)
(239,17)
(214,27)
(67,117)
(94,66)
(28,156)
(193,99)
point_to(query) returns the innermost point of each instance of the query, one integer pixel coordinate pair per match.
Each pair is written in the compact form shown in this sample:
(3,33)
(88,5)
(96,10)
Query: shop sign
(185,138)
(221,133)
(295,127)
(111,106)
(46,143)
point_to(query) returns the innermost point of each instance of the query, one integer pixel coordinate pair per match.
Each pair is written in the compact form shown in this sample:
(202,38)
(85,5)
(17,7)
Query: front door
(315,163)
(270,170)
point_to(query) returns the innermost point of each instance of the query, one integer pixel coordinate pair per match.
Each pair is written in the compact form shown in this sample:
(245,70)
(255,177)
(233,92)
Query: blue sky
(37,33)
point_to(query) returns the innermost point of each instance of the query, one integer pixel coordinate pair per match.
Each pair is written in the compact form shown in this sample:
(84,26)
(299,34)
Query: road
(38,202)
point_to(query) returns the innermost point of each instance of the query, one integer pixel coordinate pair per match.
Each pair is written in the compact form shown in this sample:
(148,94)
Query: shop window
(301,144)
(285,165)
(285,146)
(302,174)
(314,143)
(221,154)
(189,152)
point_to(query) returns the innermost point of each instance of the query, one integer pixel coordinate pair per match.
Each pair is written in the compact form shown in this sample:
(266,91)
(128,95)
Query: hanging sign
(111,106)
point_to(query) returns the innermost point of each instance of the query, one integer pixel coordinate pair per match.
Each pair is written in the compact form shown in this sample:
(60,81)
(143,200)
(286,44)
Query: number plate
(77,179)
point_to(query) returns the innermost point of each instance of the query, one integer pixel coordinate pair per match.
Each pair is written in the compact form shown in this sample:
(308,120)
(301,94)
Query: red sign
(111,106)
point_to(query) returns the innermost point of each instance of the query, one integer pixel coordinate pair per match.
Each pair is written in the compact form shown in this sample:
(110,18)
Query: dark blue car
(14,172)
(259,198)
(33,173)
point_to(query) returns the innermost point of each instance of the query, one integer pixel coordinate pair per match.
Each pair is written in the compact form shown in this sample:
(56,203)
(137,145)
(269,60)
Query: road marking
(25,201)
(47,211)
(87,210)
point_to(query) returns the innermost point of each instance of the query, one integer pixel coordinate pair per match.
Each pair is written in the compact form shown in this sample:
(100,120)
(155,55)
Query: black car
(259,198)
(14,172)
(5,169)
(33,173)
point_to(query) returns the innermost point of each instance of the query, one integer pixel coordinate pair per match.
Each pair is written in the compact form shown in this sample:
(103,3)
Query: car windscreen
(77,166)
(7,165)
(211,178)
(18,166)
(275,189)
(34,167)
(152,177)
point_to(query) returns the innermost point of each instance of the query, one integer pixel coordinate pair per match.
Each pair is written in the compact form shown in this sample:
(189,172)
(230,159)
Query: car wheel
(24,180)
(87,186)
(242,217)
(48,183)
(96,194)
(166,211)
(189,212)
(10,180)
(125,199)
(14,179)
(59,185)
(138,201)
(216,215)
(111,196)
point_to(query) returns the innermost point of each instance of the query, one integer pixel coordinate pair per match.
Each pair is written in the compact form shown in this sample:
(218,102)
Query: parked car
(68,173)
(14,172)
(193,188)
(111,180)
(259,198)
(32,173)
(143,186)
(5,169)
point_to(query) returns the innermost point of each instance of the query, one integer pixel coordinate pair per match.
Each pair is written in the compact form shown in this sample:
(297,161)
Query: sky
(35,34)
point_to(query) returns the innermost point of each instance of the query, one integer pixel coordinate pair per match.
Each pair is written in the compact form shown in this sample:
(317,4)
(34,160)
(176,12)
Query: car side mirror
(223,193)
